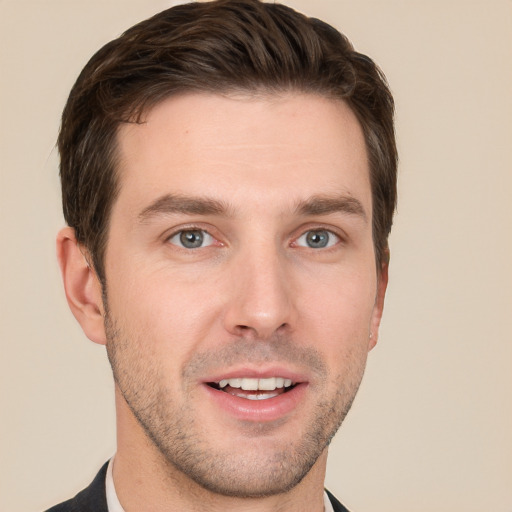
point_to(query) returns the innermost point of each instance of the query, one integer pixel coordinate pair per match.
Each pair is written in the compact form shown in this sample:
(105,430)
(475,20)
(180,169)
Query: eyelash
(179,243)
(176,238)
(332,240)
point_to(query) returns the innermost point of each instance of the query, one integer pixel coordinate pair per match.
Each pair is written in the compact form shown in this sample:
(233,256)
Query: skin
(254,298)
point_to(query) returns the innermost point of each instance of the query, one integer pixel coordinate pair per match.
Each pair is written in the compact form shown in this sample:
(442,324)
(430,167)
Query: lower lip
(271,409)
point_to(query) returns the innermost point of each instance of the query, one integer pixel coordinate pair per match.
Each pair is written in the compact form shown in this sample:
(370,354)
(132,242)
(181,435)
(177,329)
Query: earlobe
(82,286)
(378,308)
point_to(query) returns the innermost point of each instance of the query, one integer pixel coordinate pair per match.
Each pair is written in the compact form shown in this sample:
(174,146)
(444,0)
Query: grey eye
(192,239)
(317,239)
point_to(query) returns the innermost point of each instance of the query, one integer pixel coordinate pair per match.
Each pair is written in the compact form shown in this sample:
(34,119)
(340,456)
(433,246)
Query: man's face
(241,283)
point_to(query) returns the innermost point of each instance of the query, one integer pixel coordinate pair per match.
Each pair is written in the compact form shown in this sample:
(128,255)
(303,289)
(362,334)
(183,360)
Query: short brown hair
(220,46)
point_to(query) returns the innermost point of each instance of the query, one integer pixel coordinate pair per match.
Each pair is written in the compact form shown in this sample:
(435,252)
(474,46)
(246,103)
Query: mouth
(258,396)
(254,388)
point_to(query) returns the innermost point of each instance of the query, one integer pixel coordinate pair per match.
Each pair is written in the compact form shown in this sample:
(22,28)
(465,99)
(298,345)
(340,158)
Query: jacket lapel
(336,505)
(91,499)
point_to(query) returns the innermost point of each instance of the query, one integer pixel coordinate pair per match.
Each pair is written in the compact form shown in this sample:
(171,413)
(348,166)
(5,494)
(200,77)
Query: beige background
(432,426)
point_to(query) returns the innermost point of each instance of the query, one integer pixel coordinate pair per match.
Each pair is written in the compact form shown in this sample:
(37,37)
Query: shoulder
(91,499)
(336,505)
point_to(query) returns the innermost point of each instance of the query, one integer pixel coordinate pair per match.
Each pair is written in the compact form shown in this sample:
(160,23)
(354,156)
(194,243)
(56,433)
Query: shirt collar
(113,504)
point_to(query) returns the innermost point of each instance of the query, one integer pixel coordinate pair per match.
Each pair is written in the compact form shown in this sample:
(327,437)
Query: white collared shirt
(113,504)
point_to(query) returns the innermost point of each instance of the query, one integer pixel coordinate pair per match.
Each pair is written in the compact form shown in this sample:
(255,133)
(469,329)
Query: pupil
(191,239)
(317,239)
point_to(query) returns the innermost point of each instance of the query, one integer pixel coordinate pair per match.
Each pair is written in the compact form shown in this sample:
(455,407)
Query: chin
(244,475)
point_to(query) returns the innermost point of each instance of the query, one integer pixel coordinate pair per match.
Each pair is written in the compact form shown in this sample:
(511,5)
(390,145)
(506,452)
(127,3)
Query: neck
(145,480)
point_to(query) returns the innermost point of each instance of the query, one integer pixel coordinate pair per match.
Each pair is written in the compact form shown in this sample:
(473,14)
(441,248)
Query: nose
(261,302)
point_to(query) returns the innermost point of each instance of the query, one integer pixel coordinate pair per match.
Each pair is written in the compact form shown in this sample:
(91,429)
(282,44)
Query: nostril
(259,333)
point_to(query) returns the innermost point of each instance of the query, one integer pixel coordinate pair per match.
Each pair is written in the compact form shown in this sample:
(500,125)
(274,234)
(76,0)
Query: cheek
(338,319)
(344,301)
(163,311)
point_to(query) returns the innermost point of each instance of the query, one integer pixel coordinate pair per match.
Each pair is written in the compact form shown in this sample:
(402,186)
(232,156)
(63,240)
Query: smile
(253,388)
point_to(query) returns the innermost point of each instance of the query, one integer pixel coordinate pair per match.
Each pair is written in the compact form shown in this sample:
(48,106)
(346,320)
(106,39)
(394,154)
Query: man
(229,179)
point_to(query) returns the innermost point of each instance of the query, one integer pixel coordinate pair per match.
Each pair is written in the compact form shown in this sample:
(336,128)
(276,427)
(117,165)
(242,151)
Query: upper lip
(257,373)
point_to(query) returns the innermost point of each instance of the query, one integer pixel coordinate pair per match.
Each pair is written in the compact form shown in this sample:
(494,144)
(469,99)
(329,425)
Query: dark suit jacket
(93,498)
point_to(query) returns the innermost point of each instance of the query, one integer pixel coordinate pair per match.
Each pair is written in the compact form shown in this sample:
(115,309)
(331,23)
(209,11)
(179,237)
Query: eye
(192,239)
(317,239)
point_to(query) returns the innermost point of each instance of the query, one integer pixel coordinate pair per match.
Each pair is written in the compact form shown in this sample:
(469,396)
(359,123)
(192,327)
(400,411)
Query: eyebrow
(171,203)
(317,205)
(325,205)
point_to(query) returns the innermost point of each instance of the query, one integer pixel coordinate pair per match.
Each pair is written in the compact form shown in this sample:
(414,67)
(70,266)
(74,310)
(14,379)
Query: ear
(378,308)
(82,286)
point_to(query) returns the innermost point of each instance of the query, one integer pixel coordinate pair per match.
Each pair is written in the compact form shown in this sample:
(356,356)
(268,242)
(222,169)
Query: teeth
(268,384)
(259,397)
(247,384)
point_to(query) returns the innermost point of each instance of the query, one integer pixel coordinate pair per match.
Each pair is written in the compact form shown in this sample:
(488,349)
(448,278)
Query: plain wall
(431,428)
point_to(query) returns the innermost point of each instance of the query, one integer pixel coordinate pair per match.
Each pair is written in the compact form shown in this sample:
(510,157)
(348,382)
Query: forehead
(244,147)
